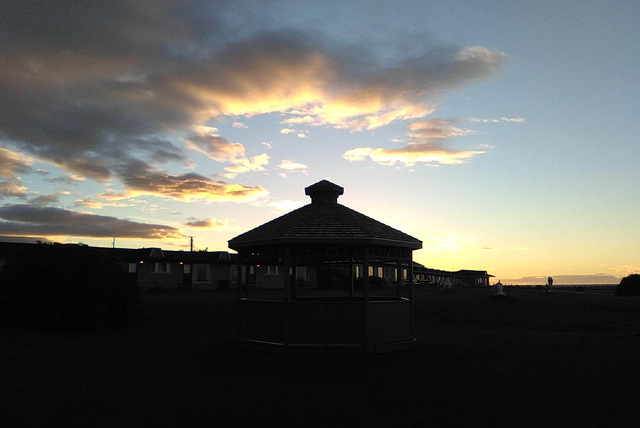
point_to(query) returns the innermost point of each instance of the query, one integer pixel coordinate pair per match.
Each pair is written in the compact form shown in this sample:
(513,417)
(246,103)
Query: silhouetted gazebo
(346,280)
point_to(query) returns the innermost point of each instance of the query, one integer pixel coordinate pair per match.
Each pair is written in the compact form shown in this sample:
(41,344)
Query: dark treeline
(66,287)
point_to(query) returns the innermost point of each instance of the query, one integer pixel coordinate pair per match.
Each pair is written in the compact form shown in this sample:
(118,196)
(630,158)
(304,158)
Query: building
(465,277)
(157,269)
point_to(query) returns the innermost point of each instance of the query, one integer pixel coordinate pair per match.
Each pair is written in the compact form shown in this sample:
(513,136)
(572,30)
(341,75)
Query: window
(301,273)
(133,268)
(187,268)
(161,267)
(272,270)
(380,274)
(201,273)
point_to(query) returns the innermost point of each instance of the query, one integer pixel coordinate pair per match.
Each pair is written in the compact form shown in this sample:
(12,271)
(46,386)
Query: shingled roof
(324,220)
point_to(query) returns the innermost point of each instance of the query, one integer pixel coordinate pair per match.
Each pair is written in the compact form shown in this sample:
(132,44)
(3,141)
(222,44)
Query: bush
(67,287)
(629,286)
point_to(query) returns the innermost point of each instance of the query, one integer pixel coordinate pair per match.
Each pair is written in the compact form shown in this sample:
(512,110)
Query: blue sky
(502,134)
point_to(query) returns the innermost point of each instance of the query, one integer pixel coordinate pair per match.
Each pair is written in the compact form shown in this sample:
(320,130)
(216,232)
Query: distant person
(549,283)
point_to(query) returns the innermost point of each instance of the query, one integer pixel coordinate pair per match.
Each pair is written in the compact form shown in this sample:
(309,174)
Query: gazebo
(346,280)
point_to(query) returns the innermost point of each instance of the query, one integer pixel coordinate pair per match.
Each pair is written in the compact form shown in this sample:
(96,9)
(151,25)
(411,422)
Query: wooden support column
(365,298)
(399,278)
(247,282)
(294,277)
(286,274)
(239,276)
(353,278)
(410,275)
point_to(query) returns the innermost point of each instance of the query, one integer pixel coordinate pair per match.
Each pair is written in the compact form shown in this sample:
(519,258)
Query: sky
(502,134)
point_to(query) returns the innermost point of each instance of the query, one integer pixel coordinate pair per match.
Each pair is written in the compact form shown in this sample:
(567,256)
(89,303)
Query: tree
(67,287)
(629,285)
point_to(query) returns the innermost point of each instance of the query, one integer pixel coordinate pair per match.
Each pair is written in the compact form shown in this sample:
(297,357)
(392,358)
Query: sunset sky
(504,135)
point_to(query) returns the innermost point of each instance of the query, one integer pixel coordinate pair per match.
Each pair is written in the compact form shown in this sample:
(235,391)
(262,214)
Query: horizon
(501,135)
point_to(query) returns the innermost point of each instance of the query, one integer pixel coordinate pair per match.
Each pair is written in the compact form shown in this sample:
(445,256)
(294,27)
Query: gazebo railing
(315,322)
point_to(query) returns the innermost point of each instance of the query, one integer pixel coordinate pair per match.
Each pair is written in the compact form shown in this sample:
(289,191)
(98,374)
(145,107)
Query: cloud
(286,131)
(13,163)
(502,119)
(89,203)
(239,125)
(66,179)
(216,147)
(597,278)
(141,179)
(300,120)
(93,99)
(29,220)
(11,188)
(44,199)
(288,165)
(426,144)
(221,150)
(210,223)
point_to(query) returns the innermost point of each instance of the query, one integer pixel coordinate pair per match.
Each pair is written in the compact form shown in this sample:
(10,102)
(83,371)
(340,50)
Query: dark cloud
(141,179)
(44,199)
(31,220)
(206,224)
(95,86)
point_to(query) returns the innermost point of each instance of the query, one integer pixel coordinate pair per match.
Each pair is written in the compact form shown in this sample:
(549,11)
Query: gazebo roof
(324,220)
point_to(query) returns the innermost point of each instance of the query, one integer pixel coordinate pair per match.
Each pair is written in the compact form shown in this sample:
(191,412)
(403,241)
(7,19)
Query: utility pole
(192,244)
(114,242)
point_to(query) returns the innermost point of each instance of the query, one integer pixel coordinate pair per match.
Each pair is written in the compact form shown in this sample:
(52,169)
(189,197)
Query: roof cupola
(324,192)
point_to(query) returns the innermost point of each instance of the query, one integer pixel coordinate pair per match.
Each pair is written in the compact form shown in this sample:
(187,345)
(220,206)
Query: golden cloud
(12,163)
(426,145)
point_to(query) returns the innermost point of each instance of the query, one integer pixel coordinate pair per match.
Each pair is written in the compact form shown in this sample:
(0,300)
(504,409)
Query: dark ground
(565,358)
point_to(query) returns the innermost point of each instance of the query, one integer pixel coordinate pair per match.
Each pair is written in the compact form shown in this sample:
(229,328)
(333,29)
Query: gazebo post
(286,273)
(399,279)
(246,278)
(410,275)
(365,298)
(353,278)
(239,276)
(294,277)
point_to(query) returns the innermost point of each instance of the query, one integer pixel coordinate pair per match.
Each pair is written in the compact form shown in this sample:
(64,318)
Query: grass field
(565,358)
